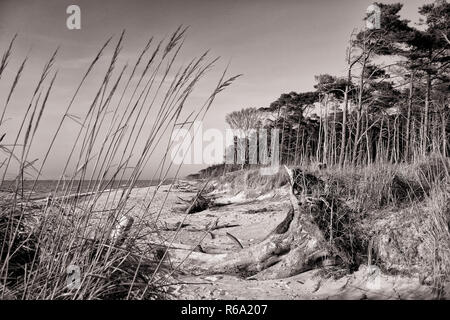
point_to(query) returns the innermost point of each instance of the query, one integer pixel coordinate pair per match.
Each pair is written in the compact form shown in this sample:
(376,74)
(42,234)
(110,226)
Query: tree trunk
(282,138)
(380,140)
(235,149)
(334,139)
(359,114)
(258,147)
(408,118)
(426,113)
(368,139)
(325,134)
(344,127)
(319,141)
(444,132)
(388,148)
(297,142)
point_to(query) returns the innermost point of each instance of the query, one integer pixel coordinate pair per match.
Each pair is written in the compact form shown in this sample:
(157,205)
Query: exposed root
(235,240)
(301,242)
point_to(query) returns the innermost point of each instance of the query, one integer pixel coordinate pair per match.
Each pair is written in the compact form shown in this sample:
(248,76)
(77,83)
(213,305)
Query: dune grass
(57,249)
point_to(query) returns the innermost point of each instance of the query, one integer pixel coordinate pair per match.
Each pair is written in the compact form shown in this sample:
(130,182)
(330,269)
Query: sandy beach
(249,217)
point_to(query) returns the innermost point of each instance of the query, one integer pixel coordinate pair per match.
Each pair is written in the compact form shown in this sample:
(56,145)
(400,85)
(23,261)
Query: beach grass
(57,249)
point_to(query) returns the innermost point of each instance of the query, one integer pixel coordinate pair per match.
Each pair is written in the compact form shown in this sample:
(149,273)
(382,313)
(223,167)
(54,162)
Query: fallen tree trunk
(278,256)
(302,241)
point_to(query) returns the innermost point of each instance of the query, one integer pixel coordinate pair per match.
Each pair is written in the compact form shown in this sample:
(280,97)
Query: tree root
(296,245)
(280,255)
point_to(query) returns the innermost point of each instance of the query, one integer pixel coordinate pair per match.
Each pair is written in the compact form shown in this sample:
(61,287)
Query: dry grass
(402,213)
(381,185)
(437,240)
(252,179)
(41,242)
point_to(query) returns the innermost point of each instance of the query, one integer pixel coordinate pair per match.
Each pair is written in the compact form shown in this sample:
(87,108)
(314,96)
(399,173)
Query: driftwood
(178,246)
(198,203)
(178,225)
(235,240)
(212,228)
(174,226)
(295,246)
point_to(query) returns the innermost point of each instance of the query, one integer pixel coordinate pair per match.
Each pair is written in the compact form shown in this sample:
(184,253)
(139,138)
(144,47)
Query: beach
(248,216)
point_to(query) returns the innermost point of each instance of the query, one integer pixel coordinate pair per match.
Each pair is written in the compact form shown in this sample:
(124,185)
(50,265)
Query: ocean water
(45,187)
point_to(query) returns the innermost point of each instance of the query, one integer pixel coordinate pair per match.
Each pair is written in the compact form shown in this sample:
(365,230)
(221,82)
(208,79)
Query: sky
(278,46)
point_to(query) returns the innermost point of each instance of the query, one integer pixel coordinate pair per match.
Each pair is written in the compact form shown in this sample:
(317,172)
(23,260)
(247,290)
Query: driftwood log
(299,243)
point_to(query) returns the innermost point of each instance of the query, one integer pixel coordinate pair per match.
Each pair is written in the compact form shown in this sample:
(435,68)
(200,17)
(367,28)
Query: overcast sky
(278,45)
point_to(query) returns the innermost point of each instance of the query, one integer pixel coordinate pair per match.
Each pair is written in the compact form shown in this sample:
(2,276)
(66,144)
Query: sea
(44,188)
